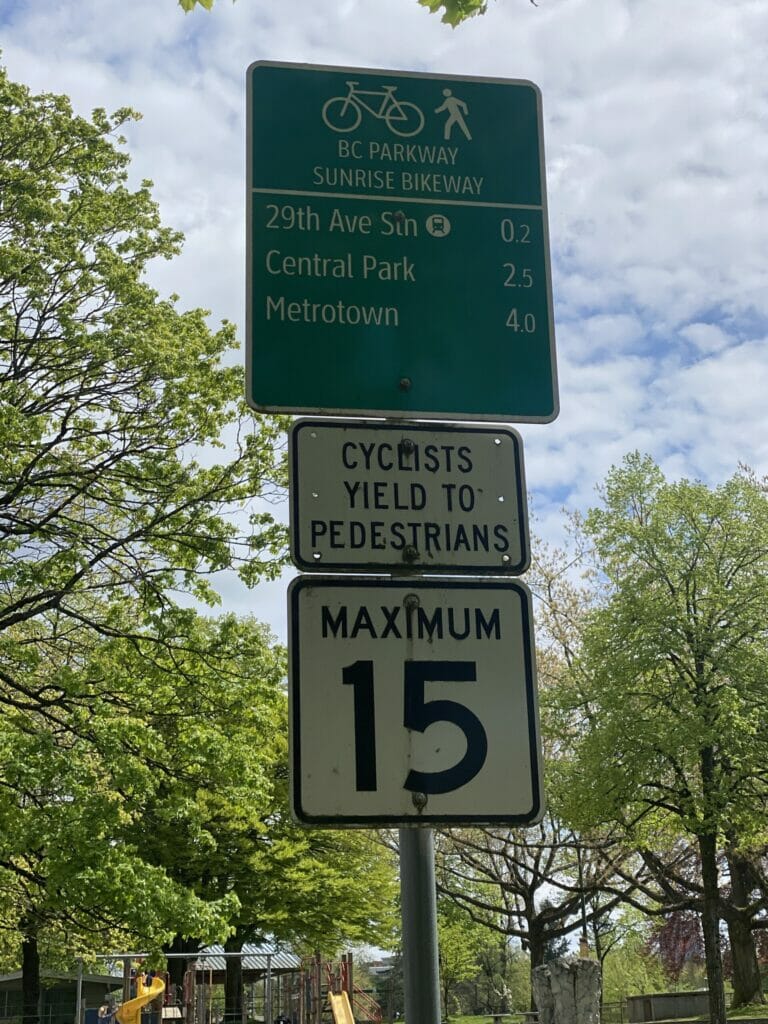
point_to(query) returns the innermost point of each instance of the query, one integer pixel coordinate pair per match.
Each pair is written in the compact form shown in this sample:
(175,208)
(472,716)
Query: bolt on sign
(378,497)
(412,701)
(398,253)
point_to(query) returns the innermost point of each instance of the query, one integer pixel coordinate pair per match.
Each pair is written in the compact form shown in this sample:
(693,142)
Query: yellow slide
(342,1011)
(130,1011)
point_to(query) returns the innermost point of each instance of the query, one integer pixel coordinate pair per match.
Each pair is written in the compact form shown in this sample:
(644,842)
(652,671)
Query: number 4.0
(418,714)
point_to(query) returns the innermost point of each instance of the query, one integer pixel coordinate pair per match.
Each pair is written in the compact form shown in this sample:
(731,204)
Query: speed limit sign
(413,701)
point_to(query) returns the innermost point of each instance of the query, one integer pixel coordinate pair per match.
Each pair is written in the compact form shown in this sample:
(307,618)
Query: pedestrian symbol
(455,109)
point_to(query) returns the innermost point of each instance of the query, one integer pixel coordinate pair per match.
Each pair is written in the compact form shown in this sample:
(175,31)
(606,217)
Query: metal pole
(421,974)
(268,992)
(126,978)
(79,1000)
(584,940)
(317,989)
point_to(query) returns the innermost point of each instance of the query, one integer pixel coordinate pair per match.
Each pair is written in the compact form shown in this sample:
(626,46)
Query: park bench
(520,1017)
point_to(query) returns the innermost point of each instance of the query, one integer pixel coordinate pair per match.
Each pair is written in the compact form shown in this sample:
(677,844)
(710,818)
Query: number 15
(418,714)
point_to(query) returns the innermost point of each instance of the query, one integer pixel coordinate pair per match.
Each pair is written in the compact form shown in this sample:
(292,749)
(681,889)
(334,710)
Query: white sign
(413,701)
(378,497)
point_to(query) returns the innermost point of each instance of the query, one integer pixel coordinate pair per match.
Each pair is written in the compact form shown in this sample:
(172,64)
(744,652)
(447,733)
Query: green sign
(398,258)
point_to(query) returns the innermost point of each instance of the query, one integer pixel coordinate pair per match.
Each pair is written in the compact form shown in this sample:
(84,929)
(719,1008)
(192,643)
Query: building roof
(255,958)
(54,976)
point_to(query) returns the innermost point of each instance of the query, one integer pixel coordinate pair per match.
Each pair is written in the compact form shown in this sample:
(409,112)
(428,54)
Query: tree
(629,967)
(678,941)
(455,11)
(504,978)
(676,888)
(170,820)
(127,461)
(744,880)
(669,880)
(530,884)
(317,889)
(459,941)
(218,820)
(670,679)
(73,873)
(114,405)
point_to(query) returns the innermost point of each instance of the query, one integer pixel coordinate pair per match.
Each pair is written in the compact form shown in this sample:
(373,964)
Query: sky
(656,139)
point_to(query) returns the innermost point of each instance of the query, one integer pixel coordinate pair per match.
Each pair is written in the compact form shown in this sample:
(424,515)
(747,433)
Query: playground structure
(268,980)
(341,1008)
(148,988)
(277,986)
(329,987)
(315,991)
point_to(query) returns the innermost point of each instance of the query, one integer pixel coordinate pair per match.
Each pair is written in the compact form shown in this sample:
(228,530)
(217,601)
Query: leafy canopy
(74,805)
(671,675)
(454,11)
(128,470)
(128,461)
(218,819)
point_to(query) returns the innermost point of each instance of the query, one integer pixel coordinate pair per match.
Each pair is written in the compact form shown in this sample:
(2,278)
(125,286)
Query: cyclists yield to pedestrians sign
(398,250)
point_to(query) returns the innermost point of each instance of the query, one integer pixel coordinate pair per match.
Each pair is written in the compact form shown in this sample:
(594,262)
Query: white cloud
(707,338)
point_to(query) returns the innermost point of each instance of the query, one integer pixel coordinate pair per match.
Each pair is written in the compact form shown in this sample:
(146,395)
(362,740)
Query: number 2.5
(418,714)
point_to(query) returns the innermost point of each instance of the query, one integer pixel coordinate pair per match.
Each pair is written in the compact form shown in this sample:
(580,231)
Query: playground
(277,988)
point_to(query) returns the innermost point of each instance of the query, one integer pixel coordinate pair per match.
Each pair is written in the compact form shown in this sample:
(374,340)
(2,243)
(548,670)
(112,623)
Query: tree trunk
(710,924)
(233,981)
(177,966)
(30,976)
(504,1004)
(747,984)
(537,947)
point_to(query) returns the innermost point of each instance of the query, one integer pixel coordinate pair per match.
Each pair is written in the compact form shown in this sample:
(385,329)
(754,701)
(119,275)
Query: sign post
(421,974)
(397,245)
(398,266)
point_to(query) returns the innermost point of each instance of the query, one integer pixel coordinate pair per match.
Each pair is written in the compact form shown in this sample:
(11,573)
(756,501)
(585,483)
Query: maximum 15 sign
(412,701)
(398,254)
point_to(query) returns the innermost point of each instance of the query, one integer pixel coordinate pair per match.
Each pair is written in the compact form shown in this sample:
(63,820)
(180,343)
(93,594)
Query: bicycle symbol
(344,113)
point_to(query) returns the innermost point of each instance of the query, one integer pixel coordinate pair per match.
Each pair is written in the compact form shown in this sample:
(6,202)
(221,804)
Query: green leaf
(456,11)
(189,5)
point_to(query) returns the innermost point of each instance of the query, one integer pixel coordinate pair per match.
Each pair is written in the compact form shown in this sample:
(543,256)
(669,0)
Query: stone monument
(567,991)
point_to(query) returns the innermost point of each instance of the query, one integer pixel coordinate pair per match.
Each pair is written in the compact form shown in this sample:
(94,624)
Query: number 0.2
(418,714)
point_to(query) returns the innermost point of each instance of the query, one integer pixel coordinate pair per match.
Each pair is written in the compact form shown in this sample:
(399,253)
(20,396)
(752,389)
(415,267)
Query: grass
(756,1010)
(753,1011)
